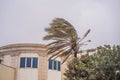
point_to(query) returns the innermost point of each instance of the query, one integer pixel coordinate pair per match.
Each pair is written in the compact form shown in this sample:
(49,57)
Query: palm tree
(66,41)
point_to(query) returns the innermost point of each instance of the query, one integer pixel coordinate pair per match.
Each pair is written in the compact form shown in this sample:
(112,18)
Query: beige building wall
(7,73)
(7,60)
(43,68)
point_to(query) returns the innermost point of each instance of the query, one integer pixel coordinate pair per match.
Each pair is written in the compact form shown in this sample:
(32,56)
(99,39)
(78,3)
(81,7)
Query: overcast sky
(23,21)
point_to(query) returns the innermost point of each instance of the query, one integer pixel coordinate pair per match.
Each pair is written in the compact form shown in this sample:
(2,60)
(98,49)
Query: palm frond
(55,54)
(56,37)
(66,52)
(66,58)
(57,48)
(88,31)
(65,37)
(63,54)
(56,42)
(60,28)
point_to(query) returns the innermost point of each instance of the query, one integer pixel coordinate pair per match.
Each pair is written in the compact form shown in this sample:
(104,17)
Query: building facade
(31,62)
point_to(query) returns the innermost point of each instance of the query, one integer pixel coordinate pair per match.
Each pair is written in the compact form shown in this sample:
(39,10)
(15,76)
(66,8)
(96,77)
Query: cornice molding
(23,48)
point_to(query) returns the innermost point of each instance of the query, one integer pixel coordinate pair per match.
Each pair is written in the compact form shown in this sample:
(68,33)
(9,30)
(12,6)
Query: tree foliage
(66,40)
(103,65)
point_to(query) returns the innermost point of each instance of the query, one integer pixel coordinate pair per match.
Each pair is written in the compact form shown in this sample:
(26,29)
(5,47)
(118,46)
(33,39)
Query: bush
(103,65)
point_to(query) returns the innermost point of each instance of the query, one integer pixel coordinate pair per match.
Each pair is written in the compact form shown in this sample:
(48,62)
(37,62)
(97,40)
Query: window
(50,64)
(35,63)
(28,62)
(59,65)
(22,62)
(54,65)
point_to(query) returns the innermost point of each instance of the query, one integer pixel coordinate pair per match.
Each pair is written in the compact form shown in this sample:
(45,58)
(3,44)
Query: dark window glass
(50,64)
(28,62)
(22,62)
(55,65)
(35,63)
(59,65)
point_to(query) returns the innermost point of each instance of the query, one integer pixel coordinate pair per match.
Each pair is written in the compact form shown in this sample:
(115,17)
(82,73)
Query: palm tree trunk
(75,55)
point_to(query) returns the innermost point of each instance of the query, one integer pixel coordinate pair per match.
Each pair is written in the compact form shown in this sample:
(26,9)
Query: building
(30,62)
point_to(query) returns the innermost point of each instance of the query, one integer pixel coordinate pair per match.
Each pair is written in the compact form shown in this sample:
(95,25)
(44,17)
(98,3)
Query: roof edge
(23,45)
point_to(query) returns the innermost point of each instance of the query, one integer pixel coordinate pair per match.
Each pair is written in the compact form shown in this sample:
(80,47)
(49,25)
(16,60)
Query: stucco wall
(7,60)
(54,75)
(7,73)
